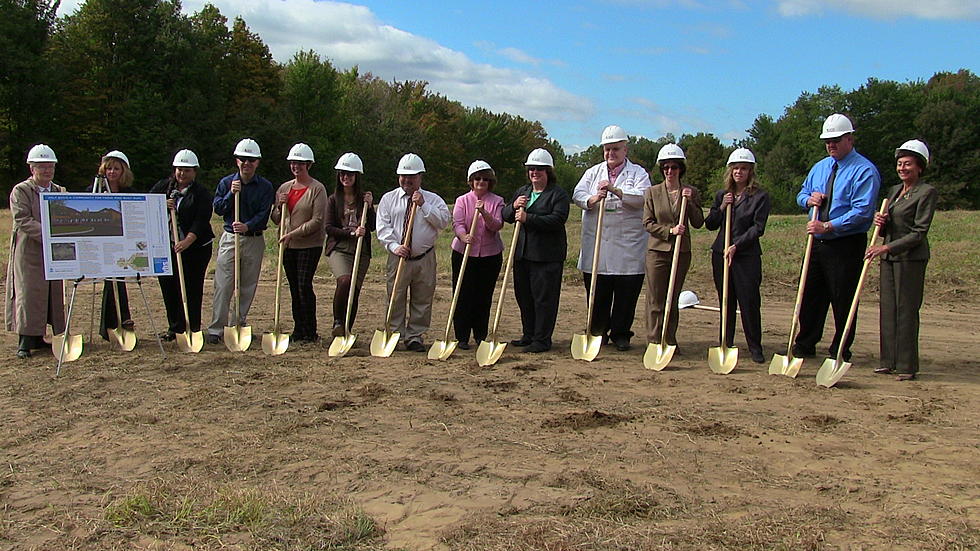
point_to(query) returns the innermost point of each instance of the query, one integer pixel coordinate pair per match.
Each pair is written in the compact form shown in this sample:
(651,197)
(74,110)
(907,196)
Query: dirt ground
(536,452)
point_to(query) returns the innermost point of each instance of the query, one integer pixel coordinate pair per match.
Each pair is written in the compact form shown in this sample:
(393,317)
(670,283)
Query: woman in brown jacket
(661,213)
(305,198)
(344,208)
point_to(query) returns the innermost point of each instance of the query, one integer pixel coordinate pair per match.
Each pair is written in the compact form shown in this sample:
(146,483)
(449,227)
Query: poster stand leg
(64,341)
(146,306)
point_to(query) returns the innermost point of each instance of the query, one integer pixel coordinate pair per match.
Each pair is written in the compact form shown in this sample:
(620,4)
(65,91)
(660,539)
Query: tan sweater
(306,220)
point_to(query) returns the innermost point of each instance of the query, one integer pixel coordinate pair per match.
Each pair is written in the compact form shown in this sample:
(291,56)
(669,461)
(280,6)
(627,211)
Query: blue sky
(651,66)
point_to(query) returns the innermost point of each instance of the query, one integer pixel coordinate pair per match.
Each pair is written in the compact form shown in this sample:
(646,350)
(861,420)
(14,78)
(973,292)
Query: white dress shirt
(430,218)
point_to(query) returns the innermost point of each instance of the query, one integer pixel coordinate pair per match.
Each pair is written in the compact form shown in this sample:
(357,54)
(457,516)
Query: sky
(651,66)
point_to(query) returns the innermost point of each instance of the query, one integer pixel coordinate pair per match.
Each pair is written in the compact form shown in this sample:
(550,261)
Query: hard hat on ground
(248,148)
(670,151)
(540,157)
(350,162)
(41,153)
(116,154)
(300,152)
(741,155)
(836,126)
(613,134)
(186,157)
(411,163)
(477,166)
(914,146)
(687,299)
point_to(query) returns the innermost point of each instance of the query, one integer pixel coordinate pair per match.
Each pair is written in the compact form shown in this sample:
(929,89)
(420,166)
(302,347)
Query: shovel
(586,346)
(491,349)
(658,355)
(188,341)
(65,346)
(342,345)
(238,337)
(722,358)
(788,365)
(276,343)
(443,349)
(384,341)
(124,338)
(833,370)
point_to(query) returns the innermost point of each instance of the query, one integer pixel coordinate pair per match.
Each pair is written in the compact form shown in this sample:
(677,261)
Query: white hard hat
(248,148)
(540,157)
(915,146)
(835,126)
(41,153)
(411,163)
(671,151)
(350,162)
(741,155)
(613,134)
(186,157)
(116,154)
(687,299)
(300,152)
(477,166)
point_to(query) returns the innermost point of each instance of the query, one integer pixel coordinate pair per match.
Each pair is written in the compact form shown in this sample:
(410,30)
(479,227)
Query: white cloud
(885,9)
(350,35)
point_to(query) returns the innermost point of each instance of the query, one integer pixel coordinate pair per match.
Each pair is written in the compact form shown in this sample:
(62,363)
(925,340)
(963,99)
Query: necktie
(408,209)
(828,195)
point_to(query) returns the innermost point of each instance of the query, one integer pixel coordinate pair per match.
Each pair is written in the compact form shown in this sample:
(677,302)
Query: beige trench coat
(28,294)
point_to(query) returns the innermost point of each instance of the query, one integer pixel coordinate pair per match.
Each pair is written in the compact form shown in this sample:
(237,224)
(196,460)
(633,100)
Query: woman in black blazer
(193,204)
(904,256)
(750,211)
(542,209)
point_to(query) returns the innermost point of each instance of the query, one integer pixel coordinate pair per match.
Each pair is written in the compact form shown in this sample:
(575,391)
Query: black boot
(24,347)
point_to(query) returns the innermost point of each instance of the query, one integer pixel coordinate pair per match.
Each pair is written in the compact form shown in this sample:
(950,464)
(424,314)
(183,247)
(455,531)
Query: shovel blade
(722,360)
(124,339)
(341,345)
(442,350)
(190,342)
(275,344)
(72,348)
(489,352)
(383,343)
(658,356)
(785,365)
(831,372)
(586,347)
(238,338)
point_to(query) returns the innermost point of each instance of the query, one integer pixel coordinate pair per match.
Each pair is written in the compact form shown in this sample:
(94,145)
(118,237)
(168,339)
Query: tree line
(140,76)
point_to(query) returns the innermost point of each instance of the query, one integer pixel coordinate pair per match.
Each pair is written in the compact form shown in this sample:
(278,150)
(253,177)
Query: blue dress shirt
(852,204)
(256,202)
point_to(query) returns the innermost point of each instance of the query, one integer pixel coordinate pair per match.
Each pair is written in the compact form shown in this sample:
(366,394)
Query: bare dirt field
(226,450)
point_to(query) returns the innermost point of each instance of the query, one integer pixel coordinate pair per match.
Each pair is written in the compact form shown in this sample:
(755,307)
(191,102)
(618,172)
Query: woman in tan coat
(661,213)
(306,200)
(32,302)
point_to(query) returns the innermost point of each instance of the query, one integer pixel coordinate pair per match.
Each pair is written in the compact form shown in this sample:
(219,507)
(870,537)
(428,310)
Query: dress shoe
(415,346)
(213,339)
(905,377)
(523,341)
(129,325)
(23,353)
(168,336)
(758,358)
(338,329)
(622,343)
(463,345)
(536,347)
(884,370)
(800,352)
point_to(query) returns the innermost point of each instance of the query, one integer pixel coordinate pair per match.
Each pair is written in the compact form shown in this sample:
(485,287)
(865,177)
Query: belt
(256,233)
(427,251)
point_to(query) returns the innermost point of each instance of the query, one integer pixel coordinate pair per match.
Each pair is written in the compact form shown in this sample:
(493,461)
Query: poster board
(100,235)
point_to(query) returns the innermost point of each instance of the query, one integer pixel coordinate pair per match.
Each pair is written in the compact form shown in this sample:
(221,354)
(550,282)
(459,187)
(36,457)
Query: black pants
(108,319)
(476,295)
(537,287)
(835,266)
(195,261)
(615,303)
(745,279)
(300,265)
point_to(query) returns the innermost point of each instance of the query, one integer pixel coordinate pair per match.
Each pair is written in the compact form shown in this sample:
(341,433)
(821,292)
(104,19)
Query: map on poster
(100,235)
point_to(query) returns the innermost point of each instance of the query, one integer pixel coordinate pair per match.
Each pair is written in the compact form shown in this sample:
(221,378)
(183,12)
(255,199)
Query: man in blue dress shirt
(844,188)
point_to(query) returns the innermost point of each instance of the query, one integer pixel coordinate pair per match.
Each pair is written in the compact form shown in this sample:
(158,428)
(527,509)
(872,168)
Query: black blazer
(749,218)
(194,211)
(542,237)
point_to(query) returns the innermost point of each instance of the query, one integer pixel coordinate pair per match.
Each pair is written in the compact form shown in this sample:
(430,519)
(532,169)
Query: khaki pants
(658,278)
(250,255)
(414,293)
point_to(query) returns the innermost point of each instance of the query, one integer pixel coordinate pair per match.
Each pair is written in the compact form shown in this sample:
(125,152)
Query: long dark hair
(358,192)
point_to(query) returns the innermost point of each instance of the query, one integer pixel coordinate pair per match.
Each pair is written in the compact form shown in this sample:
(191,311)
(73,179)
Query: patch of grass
(257,519)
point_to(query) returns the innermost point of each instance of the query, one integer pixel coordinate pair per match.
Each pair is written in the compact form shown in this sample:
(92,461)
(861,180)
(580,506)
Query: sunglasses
(248,159)
(536,169)
(483,179)
(833,140)
(671,167)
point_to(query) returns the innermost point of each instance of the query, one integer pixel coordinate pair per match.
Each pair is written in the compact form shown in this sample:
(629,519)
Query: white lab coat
(623,250)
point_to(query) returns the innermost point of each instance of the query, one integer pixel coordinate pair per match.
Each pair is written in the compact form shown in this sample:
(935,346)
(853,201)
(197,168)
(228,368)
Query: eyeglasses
(248,159)
(833,140)
(346,174)
(536,169)
(671,167)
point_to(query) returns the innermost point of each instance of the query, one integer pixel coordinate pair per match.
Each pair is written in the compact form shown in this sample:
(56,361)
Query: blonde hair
(127,175)
(750,188)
